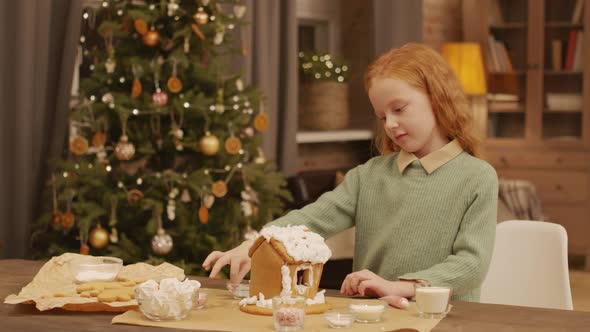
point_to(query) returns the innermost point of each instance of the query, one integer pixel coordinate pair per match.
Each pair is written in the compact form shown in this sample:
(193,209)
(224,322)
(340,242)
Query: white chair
(529,266)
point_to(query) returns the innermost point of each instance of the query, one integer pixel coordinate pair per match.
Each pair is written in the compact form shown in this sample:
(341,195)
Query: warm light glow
(467,63)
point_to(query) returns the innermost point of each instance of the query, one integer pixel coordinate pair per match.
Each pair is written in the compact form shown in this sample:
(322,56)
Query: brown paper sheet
(221,313)
(55,277)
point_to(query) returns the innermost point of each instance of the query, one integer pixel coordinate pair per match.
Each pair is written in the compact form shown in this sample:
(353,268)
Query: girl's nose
(391,121)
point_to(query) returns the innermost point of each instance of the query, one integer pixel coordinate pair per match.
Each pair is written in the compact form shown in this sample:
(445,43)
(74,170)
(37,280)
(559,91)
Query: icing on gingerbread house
(287,261)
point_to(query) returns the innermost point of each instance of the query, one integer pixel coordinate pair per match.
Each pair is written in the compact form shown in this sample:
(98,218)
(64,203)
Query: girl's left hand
(367,283)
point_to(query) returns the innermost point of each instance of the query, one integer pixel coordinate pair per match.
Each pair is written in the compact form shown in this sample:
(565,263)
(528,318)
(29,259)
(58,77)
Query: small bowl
(339,320)
(240,290)
(105,270)
(367,312)
(164,309)
(200,300)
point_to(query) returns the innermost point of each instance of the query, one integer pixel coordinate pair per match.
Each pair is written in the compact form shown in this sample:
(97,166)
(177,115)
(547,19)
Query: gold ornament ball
(209,144)
(151,38)
(98,237)
(124,150)
(201,17)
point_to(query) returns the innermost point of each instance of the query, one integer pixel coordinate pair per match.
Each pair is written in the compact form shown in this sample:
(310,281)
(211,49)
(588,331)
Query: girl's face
(406,115)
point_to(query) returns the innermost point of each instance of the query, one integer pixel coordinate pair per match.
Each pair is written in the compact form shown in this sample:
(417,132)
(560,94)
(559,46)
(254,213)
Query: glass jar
(288,313)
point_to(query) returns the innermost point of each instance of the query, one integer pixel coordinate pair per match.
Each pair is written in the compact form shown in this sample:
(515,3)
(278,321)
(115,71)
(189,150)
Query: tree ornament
(176,130)
(201,17)
(261,122)
(233,145)
(246,208)
(260,159)
(208,200)
(174,84)
(151,38)
(160,97)
(67,219)
(84,249)
(98,237)
(110,65)
(171,207)
(79,145)
(186,196)
(219,188)
(99,139)
(209,144)
(205,2)
(107,98)
(134,196)
(140,26)
(172,7)
(203,215)
(136,88)
(114,235)
(124,150)
(218,38)
(239,10)
(239,85)
(162,242)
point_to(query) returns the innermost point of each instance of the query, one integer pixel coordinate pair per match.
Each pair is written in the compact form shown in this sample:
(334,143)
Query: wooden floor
(580,284)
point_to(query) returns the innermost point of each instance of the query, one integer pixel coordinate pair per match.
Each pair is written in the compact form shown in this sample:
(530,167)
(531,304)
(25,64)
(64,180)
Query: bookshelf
(538,115)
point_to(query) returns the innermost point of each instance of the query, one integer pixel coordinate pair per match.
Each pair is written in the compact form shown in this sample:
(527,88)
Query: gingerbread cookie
(122,290)
(309,309)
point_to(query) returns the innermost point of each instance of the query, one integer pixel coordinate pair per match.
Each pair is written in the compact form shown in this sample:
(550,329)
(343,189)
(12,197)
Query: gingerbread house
(287,261)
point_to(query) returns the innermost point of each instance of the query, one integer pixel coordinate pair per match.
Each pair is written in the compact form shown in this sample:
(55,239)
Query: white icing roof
(300,242)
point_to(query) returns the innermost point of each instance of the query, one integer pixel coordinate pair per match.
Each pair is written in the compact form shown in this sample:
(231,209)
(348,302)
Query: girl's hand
(237,258)
(367,283)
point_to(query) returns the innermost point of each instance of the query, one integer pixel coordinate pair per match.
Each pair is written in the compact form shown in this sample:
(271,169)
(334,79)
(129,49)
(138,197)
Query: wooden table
(465,316)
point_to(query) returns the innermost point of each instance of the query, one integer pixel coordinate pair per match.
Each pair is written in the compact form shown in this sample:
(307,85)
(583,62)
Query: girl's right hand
(237,258)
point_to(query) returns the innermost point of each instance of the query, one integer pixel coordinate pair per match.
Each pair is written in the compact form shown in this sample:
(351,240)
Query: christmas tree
(164,159)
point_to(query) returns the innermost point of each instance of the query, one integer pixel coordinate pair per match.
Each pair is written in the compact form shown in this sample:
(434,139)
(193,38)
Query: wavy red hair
(425,69)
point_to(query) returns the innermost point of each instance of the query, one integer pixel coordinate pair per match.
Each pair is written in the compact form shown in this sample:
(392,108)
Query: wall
(443,20)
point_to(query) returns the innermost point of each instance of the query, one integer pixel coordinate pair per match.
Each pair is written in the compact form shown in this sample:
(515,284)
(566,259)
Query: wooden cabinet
(538,107)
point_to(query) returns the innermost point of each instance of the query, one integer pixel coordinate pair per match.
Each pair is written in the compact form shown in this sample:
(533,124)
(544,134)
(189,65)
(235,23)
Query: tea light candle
(337,320)
(367,312)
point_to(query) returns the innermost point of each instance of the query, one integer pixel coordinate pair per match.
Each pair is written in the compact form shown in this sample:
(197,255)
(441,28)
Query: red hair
(423,68)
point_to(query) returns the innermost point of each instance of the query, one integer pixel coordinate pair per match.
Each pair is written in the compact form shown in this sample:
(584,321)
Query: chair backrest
(529,266)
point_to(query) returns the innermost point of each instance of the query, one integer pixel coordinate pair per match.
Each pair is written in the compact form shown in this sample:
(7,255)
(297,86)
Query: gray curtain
(38,40)
(271,64)
(397,22)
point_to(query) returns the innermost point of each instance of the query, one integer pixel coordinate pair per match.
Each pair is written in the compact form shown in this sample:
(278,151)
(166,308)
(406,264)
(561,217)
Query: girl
(425,210)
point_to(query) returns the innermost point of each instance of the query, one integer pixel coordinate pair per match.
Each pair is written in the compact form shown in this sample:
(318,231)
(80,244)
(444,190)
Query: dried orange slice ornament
(203,215)
(261,122)
(140,26)
(79,145)
(174,84)
(219,188)
(233,145)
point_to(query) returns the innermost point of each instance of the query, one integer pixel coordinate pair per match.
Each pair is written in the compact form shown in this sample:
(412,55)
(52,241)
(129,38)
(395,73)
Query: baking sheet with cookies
(222,313)
(54,286)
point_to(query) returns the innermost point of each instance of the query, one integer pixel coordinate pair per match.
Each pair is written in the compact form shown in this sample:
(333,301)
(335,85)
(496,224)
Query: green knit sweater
(437,227)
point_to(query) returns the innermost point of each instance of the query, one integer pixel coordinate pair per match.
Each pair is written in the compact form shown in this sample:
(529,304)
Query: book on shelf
(564,101)
(578,63)
(495,16)
(498,58)
(502,97)
(578,12)
(571,49)
(504,106)
(557,59)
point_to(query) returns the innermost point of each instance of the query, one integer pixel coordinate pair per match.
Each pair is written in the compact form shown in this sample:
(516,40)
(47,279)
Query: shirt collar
(433,160)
